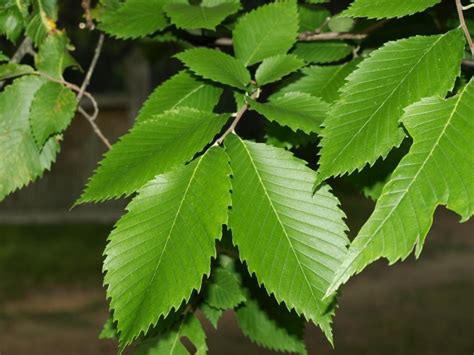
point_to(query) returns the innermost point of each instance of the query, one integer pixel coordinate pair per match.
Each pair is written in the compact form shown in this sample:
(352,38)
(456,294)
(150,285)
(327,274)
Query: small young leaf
(295,110)
(267,31)
(11,23)
(3,57)
(216,65)
(438,170)
(320,81)
(189,16)
(12,70)
(52,110)
(211,313)
(53,56)
(181,90)
(170,342)
(21,161)
(276,67)
(108,331)
(378,9)
(312,17)
(276,330)
(340,24)
(134,18)
(151,148)
(164,237)
(273,208)
(363,125)
(224,290)
(322,52)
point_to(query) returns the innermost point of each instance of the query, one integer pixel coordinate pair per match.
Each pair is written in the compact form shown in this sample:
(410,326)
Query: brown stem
(459,7)
(237,119)
(95,127)
(86,5)
(90,71)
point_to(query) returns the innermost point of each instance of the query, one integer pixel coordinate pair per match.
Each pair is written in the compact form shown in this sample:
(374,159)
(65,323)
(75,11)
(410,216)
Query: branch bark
(459,8)
(237,119)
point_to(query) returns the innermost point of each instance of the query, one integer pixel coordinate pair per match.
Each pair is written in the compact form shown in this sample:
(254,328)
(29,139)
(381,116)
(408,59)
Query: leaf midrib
(158,263)
(281,224)
(407,189)
(385,101)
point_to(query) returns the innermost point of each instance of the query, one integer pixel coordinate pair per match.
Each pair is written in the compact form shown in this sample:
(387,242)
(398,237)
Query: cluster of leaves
(37,107)
(197,186)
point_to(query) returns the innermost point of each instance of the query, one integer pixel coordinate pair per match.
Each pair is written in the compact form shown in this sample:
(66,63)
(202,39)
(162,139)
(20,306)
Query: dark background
(51,298)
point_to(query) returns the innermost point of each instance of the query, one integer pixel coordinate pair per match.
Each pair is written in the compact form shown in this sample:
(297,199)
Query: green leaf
(295,110)
(341,24)
(378,9)
(160,250)
(44,20)
(108,331)
(134,18)
(276,67)
(3,57)
(170,342)
(211,313)
(181,90)
(274,209)
(438,170)
(312,17)
(320,81)
(269,30)
(322,52)
(152,147)
(224,290)
(21,161)
(189,16)
(216,65)
(53,56)
(11,23)
(52,110)
(363,125)
(271,327)
(12,70)
(284,137)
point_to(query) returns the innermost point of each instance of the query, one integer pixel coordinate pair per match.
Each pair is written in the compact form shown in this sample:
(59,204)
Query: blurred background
(51,295)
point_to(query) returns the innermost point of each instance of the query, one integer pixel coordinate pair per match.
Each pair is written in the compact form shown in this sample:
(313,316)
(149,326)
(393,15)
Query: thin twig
(86,5)
(464,26)
(90,71)
(237,118)
(329,36)
(310,37)
(95,127)
(26,47)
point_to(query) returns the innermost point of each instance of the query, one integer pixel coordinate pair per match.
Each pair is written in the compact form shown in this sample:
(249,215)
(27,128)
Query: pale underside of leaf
(160,250)
(22,161)
(52,110)
(438,170)
(292,241)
